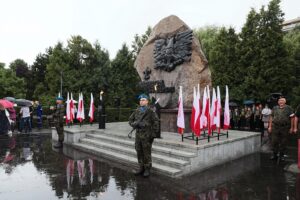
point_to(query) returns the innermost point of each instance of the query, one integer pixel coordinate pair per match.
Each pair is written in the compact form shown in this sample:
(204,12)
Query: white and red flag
(197,113)
(72,110)
(219,110)
(226,111)
(213,111)
(68,114)
(80,112)
(180,115)
(92,109)
(192,122)
(207,110)
(203,123)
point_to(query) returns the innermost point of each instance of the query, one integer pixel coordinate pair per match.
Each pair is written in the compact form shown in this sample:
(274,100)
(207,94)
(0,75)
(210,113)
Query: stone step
(156,148)
(161,142)
(156,158)
(127,159)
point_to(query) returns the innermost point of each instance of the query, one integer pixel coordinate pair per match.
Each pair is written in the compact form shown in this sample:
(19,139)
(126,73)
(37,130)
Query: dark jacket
(150,122)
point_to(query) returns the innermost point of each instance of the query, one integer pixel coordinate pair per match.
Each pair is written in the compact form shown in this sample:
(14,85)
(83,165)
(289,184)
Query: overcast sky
(28,27)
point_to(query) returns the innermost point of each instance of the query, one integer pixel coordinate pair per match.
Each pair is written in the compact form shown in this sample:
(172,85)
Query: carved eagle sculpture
(173,51)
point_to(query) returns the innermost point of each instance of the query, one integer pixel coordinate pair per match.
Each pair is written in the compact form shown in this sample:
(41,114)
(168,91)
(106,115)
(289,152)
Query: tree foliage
(10,84)
(139,41)
(207,38)
(125,78)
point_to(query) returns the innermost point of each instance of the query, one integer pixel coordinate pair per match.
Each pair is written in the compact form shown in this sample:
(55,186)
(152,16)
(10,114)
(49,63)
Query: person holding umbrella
(4,120)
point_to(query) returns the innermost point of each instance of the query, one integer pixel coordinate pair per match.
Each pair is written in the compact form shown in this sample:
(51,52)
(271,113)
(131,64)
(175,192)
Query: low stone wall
(212,154)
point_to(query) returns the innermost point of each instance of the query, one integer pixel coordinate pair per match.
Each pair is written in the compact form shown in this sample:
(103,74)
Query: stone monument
(172,57)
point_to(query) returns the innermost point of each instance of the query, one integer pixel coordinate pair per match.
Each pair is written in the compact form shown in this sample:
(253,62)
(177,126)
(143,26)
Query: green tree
(248,53)
(22,70)
(125,78)
(10,84)
(139,41)
(2,65)
(84,68)
(207,37)
(292,44)
(224,62)
(58,64)
(275,71)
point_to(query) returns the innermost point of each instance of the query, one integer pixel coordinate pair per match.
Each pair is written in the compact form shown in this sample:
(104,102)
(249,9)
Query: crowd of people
(19,119)
(250,117)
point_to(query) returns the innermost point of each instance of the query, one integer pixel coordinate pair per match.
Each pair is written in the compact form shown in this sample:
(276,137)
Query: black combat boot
(274,156)
(59,144)
(140,171)
(146,173)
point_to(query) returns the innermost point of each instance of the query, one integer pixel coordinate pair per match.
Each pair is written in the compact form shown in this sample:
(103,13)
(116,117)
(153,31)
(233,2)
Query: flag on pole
(80,112)
(226,111)
(219,110)
(203,123)
(180,116)
(72,110)
(192,122)
(213,111)
(92,109)
(207,110)
(197,113)
(68,113)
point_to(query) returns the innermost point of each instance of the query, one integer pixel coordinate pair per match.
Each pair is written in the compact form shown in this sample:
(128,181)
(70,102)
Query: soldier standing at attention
(58,118)
(146,123)
(280,124)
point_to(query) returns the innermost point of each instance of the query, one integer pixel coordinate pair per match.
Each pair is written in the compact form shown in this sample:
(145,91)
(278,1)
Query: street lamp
(61,82)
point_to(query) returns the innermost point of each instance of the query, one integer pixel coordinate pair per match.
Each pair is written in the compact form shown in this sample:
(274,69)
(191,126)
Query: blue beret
(143,96)
(60,98)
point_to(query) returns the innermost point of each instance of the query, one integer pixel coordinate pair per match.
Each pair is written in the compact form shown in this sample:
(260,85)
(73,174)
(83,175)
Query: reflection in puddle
(31,169)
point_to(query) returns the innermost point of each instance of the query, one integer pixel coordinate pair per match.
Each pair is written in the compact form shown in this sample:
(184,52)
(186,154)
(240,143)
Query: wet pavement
(31,169)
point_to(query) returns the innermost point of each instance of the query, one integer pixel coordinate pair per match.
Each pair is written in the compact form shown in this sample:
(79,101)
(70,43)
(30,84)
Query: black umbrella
(248,102)
(233,104)
(23,102)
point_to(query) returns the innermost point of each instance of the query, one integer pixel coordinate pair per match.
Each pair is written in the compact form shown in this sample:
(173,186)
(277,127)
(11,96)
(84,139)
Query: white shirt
(266,111)
(25,112)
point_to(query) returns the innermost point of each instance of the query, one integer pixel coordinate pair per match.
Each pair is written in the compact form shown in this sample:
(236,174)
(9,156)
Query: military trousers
(60,132)
(143,145)
(279,138)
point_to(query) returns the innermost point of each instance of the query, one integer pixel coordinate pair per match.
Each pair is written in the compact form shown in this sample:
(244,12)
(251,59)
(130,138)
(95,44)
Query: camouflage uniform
(145,135)
(58,118)
(281,124)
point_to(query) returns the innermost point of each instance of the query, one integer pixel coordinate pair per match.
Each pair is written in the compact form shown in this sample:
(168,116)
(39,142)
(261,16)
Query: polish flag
(68,113)
(197,113)
(203,123)
(180,116)
(219,110)
(213,112)
(207,110)
(226,111)
(92,109)
(192,122)
(72,110)
(80,112)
